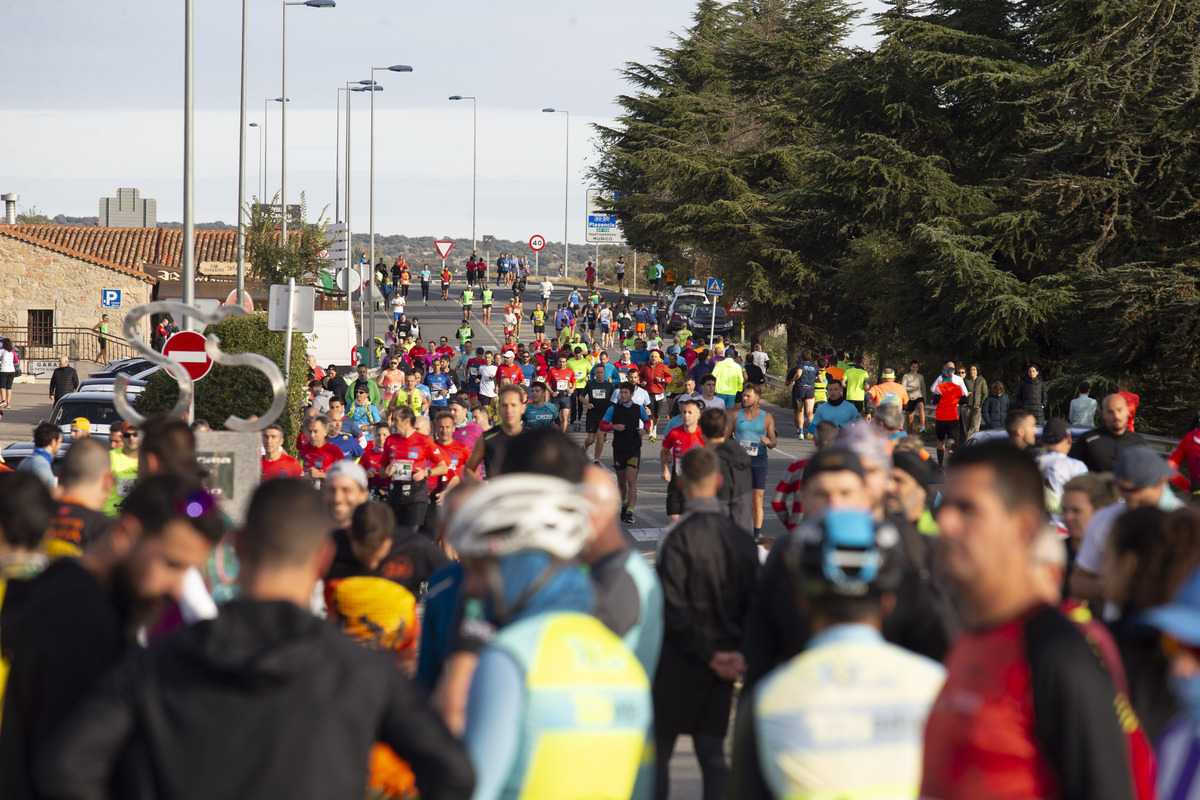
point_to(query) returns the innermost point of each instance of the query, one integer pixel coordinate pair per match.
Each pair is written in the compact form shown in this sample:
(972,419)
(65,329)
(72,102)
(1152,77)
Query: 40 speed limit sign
(537,242)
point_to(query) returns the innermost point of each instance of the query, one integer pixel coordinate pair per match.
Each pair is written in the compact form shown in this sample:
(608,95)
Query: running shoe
(652,437)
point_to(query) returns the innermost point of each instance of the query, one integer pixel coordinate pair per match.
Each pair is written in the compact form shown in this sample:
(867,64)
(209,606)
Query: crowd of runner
(437,596)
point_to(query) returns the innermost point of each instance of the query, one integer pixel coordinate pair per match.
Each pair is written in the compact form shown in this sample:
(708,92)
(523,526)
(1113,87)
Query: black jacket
(737,484)
(1031,396)
(266,701)
(63,380)
(994,412)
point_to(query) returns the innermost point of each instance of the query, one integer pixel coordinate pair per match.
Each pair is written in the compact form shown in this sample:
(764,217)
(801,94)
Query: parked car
(979,437)
(14,454)
(681,307)
(126,366)
(106,384)
(97,407)
(701,321)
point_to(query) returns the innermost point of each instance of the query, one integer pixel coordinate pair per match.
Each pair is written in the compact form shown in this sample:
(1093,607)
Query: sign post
(713,289)
(110,298)
(443,248)
(536,243)
(188,348)
(602,227)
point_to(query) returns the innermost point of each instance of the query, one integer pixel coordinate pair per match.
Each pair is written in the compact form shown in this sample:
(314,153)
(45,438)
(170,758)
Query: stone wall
(37,277)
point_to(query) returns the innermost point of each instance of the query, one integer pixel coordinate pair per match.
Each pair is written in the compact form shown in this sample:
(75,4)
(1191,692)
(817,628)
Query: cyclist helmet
(845,553)
(517,512)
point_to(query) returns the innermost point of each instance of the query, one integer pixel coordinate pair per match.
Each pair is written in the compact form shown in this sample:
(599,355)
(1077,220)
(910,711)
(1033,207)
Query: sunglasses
(1172,647)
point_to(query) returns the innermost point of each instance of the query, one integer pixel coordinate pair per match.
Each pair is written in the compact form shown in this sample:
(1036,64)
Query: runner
(538,317)
(596,395)
(372,461)
(914,383)
(487,379)
(561,381)
(485,297)
(675,444)
(590,275)
(991,510)
(754,430)
(409,457)
(847,677)
(491,447)
(77,523)
(580,368)
(655,375)
(539,413)
(519,536)
(802,380)
(468,300)
(620,270)
(275,462)
(709,569)
(627,420)
(948,390)
(835,409)
(318,454)
(124,464)
(445,276)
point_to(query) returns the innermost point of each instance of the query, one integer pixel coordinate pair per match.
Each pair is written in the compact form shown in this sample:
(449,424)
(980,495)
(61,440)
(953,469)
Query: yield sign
(187,347)
(443,248)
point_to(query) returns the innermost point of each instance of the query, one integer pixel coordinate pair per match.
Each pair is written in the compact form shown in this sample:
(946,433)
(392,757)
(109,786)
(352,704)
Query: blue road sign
(110,298)
(715,286)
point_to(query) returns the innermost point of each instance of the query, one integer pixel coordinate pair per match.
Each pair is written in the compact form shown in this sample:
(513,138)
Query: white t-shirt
(397,303)
(1095,535)
(1058,468)
(705,403)
(760,359)
(487,380)
(6,361)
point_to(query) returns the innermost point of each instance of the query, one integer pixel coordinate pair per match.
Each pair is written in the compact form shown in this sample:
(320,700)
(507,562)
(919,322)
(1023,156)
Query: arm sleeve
(1075,717)
(745,779)
(679,621)
(79,759)
(418,735)
(494,722)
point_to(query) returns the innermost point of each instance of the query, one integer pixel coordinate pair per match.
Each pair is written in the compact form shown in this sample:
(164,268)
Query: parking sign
(110,298)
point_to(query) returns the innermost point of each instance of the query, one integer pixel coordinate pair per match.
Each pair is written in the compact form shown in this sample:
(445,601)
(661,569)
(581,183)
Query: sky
(91,100)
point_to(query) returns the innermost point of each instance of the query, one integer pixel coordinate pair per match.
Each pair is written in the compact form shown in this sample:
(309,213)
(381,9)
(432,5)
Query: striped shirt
(787,503)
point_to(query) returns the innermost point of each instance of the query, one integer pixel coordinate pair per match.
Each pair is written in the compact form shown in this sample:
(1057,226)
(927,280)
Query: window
(41,327)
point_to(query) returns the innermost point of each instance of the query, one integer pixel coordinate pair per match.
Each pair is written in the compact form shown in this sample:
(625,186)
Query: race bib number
(474,371)
(599,394)
(125,486)
(751,448)
(658,396)
(580,374)
(560,386)
(402,471)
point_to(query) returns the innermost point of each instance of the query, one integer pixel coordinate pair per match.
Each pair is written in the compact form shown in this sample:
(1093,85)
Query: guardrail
(77,344)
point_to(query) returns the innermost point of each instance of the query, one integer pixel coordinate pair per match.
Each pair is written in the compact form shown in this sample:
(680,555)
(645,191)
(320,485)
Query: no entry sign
(187,347)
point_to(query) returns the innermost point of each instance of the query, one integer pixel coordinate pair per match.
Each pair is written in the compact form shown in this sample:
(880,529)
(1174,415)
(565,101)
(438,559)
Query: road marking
(646,534)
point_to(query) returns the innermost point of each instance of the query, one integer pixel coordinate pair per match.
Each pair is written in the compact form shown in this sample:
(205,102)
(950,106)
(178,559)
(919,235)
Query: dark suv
(701,321)
(681,308)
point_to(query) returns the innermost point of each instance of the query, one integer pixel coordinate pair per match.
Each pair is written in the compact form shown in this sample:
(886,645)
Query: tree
(33,216)
(274,263)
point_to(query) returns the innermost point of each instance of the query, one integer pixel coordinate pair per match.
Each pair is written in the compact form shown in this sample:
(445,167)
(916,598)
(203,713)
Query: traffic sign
(715,286)
(303,319)
(443,248)
(247,300)
(536,242)
(110,298)
(187,347)
(349,280)
(602,227)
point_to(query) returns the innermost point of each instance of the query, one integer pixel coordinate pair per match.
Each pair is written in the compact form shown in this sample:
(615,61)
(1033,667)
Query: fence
(77,344)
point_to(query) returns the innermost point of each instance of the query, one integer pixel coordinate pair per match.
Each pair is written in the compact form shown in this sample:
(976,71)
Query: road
(440,318)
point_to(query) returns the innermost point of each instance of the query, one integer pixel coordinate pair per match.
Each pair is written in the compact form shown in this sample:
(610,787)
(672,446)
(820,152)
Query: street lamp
(371,266)
(267,141)
(241,243)
(283,130)
(370,86)
(474,160)
(566,189)
(259,151)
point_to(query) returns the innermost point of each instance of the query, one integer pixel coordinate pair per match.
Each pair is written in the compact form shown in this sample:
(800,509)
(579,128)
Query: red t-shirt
(679,442)
(456,455)
(656,377)
(591,273)
(514,372)
(561,380)
(322,457)
(948,393)
(407,455)
(283,467)
(1132,401)
(417,352)
(446,351)
(372,459)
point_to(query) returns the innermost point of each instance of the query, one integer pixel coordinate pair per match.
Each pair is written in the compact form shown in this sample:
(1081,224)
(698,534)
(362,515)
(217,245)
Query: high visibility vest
(586,710)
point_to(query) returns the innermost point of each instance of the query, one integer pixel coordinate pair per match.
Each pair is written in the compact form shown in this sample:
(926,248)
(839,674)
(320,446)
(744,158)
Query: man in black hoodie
(266,701)
(736,492)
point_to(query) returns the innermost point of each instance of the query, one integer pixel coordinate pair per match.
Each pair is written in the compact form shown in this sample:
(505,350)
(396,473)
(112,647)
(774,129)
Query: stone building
(47,289)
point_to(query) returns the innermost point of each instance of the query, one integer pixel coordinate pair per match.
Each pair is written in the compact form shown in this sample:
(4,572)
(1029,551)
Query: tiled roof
(134,248)
(13,231)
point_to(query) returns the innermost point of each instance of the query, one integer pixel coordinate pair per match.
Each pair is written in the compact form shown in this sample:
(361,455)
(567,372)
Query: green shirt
(468,297)
(465,334)
(543,416)
(856,381)
(487,297)
(582,368)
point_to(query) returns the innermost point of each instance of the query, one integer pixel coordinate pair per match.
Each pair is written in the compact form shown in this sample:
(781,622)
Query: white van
(334,337)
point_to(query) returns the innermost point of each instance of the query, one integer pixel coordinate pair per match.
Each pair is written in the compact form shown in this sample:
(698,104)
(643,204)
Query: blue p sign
(110,298)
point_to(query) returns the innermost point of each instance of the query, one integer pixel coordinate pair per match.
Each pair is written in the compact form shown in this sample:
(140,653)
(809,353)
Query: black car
(701,321)
(681,308)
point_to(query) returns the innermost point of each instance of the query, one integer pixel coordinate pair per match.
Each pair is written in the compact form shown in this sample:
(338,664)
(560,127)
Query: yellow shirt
(124,470)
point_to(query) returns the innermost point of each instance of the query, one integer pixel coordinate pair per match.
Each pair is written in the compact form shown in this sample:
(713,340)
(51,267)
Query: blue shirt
(39,464)
(426,275)
(439,383)
(639,357)
(530,373)
(347,444)
(841,415)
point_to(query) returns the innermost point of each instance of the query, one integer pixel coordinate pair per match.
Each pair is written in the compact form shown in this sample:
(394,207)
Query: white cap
(348,469)
(509,354)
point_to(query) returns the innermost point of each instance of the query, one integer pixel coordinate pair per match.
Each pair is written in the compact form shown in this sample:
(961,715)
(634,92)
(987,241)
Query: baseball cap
(82,422)
(625,352)
(1142,467)
(1055,430)
(833,459)
(888,373)
(509,354)
(348,469)
(1179,619)
(128,427)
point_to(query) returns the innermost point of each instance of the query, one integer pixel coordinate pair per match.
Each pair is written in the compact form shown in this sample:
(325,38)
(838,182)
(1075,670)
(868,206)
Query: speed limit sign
(537,242)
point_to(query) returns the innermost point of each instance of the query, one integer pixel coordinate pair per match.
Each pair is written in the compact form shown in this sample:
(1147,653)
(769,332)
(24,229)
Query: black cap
(478,351)
(919,468)
(1055,430)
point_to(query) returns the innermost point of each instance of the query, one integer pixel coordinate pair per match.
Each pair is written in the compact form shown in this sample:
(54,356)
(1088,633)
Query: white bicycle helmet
(517,512)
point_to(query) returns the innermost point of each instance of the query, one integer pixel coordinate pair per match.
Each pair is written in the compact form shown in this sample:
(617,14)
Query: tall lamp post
(259,151)
(267,141)
(566,190)
(189,162)
(474,161)
(241,239)
(283,123)
(371,266)
(370,86)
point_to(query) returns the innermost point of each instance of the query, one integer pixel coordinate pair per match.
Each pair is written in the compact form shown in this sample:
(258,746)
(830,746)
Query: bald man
(1100,447)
